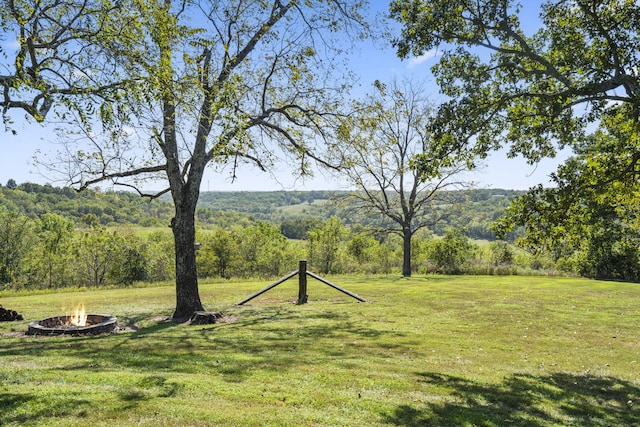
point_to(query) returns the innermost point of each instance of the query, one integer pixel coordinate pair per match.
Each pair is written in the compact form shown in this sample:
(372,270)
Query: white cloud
(414,62)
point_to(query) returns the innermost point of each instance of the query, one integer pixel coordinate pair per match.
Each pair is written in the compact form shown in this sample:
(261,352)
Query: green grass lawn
(425,351)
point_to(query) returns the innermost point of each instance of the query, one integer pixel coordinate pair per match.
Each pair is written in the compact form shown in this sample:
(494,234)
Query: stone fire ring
(58,325)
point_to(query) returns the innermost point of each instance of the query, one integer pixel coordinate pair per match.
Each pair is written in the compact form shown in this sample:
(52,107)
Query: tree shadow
(273,344)
(525,400)
(148,387)
(31,409)
(271,338)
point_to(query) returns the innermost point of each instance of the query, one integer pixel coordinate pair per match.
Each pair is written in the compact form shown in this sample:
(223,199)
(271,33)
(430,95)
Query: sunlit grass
(423,351)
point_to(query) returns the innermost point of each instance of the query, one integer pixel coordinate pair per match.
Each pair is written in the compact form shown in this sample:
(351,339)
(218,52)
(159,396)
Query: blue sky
(371,63)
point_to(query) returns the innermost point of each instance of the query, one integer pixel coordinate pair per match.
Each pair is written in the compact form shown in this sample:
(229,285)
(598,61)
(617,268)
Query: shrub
(450,254)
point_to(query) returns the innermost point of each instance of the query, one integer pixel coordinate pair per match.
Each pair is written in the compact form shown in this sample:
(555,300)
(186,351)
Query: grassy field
(425,351)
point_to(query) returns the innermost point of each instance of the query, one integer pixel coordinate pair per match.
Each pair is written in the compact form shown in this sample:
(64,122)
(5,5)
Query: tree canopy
(55,54)
(571,83)
(532,92)
(191,84)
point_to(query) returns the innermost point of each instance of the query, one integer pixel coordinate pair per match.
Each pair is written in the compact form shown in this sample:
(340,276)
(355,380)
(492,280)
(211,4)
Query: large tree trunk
(184,234)
(406,252)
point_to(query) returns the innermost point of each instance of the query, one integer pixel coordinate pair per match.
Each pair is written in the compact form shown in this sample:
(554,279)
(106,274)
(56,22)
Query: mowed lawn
(425,351)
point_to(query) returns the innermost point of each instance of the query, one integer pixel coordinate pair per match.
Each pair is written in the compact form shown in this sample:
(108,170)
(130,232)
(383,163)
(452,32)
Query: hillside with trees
(288,210)
(57,237)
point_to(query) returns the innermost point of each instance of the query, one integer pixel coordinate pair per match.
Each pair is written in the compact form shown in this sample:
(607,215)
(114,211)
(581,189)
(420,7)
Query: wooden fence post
(302,285)
(302,282)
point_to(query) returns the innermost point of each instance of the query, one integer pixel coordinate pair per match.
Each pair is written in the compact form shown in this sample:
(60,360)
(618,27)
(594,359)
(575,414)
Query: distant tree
(502,253)
(91,220)
(450,254)
(218,254)
(96,252)
(361,246)
(298,228)
(324,245)
(15,242)
(131,261)
(160,256)
(54,234)
(261,248)
(11,184)
(380,143)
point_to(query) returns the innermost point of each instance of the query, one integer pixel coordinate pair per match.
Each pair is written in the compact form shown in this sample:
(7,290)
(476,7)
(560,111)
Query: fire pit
(65,325)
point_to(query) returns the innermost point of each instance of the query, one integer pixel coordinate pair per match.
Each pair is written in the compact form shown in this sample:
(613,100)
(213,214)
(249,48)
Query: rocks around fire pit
(205,317)
(9,315)
(60,325)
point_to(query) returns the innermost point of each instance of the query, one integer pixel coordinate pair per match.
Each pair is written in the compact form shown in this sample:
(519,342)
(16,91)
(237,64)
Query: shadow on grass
(271,338)
(526,400)
(37,409)
(148,387)
(278,340)
(30,409)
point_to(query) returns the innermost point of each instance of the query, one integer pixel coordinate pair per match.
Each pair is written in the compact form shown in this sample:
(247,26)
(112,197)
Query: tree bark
(184,234)
(406,251)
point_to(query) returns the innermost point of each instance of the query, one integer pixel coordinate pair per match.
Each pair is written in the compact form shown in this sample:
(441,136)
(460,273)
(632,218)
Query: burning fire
(79,317)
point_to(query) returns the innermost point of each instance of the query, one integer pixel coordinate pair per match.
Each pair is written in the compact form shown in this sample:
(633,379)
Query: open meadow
(424,351)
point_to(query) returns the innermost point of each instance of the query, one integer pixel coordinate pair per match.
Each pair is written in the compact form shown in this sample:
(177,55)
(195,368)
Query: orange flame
(79,318)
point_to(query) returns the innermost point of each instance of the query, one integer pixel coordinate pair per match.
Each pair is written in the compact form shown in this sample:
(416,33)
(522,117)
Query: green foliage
(86,208)
(91,208)
(537,92)
(131,260)
(590,218)
(48,251)
(41,252)
(324,245)
(218,255)
(294,212)
(262,205)
(15,242)
(97,251)
(52,255)
(53,41)
(298,228)
(529,93)
(502,254)
(161,263)
(451,254)
(360,247)
(261,248)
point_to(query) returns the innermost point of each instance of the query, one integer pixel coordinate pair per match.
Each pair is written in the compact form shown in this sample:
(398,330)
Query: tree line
(50,251)
(294,212)
(57,237)
(296,221)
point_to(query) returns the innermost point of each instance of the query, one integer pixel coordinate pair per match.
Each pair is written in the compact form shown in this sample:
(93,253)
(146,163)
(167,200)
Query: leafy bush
(451,254)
